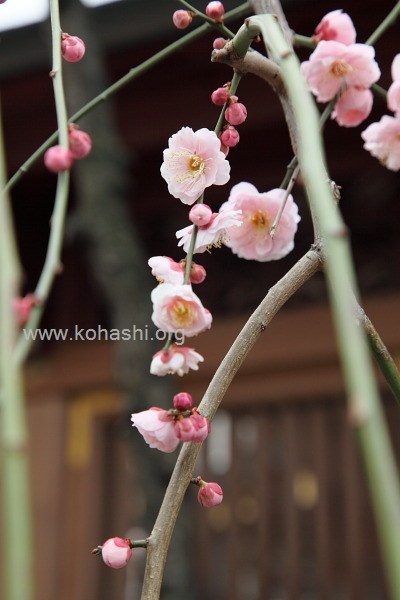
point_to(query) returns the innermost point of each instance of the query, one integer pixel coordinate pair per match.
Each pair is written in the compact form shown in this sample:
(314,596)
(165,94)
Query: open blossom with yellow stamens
(177,308)
(252,240)
(192,162)
(334,67)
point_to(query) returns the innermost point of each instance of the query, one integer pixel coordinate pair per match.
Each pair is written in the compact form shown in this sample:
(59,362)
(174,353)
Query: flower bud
(236,113)
(72,47)
(200,214)
(219,43)
(220,96)
(197,273)
(182,19)
(58,159)
(183,401)
(80,142)
(23,307)
(230,137)
(116,552)
(215,10)
(210,494)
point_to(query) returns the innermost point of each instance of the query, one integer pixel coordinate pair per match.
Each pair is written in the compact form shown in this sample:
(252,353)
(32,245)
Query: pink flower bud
(210,494)
(72,47)
(182,19)
(80,142)
(23,307)
(197,273)
(236,113)
(219,43)
(215,10)
(194,428)
(220,96)
(58,159)
(116,552)
(200,214)
(183,401)
(230,137)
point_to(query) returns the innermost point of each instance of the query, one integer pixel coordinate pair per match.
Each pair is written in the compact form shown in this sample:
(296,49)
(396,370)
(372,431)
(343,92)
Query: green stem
(118,85)
(379,91)
(17,531)
(304,41)
(386,23)
(363,398)
(52,264)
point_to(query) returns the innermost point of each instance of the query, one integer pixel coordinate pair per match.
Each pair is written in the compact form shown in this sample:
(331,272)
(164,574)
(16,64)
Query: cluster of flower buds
(58,158)
(164,429)
(235,114)
(183,18)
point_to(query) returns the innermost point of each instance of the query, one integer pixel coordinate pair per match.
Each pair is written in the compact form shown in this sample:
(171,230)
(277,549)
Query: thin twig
(289,188)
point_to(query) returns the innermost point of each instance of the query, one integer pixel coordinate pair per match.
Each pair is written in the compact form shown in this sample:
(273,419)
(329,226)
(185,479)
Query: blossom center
(340,68)
(196,165)
(259,219)
(181,313)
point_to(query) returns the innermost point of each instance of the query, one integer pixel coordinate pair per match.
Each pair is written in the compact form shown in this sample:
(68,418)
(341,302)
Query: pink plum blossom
(213,233)
(192,162)
(333,67)
(393,95)
(80,142)
(210,494)
(216,11)
(177,308)
(252,240)
(176,360)
(194,428)
(382,140)
(182,19)
(116,552)
(353,107)
(166,270)
(72,47)
(58,159)
(157,428)
(336,25)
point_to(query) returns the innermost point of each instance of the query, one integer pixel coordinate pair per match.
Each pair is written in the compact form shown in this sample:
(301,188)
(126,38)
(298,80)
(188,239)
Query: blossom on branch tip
(177,308)
(58,159)
(337,26)
(80,142)
(176,360)
(164,429)
(182,18)
(334,67)
(252,240)
(116,552)
(382,140)
(214,233)
(72,47)
(353,107)
(209,494)
(166,270)
(216,11)
(192,162)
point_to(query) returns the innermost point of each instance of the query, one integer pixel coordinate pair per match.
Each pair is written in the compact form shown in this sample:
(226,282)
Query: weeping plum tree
(256,225)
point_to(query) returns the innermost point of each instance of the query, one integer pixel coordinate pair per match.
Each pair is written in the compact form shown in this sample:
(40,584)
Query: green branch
(363,399)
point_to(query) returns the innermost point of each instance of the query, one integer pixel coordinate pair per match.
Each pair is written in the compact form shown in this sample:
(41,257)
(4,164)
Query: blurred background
(296,522)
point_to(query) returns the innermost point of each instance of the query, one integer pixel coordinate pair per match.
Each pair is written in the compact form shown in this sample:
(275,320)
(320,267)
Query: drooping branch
(160,537)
